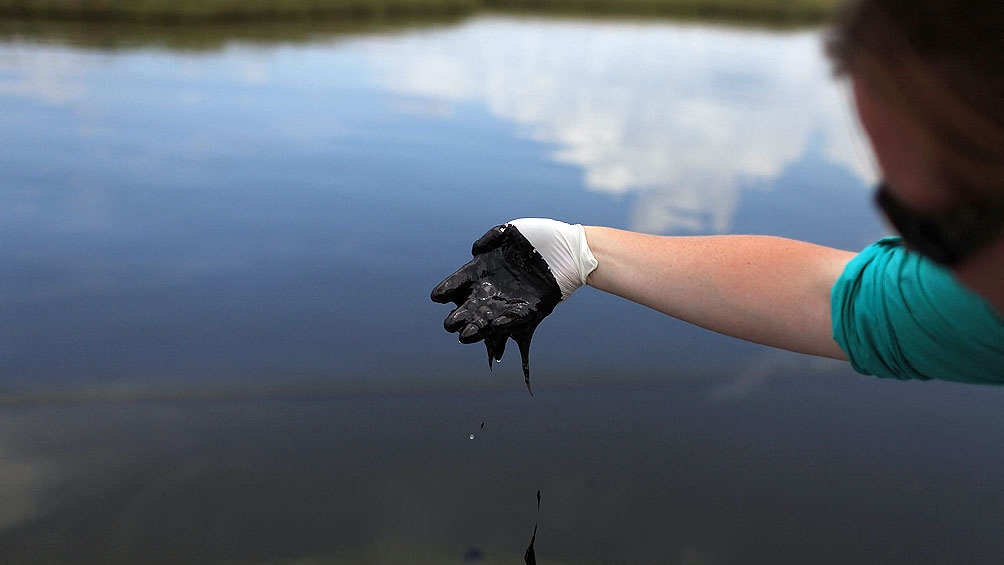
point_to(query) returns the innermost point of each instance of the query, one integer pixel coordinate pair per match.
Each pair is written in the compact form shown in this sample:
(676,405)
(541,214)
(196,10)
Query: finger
(492,239)
(455,287)
(471,333)
(459,318)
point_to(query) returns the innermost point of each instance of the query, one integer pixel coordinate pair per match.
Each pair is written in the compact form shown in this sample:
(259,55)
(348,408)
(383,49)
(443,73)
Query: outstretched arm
(764,289)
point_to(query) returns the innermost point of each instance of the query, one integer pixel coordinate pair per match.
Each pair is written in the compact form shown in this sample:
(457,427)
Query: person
(927,78)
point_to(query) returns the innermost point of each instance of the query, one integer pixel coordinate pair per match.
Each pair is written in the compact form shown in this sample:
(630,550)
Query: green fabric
(899,315)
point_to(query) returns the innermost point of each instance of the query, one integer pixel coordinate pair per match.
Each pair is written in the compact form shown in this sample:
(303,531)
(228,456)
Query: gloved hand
(519,273)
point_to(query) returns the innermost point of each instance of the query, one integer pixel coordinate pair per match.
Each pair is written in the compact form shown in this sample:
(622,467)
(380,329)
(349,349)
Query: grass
(765,10)
(229,10)
(166,11)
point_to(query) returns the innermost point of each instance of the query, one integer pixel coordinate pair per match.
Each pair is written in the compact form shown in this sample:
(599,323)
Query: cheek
(905,164)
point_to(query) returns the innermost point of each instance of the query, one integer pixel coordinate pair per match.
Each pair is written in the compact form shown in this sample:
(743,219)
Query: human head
(928,77)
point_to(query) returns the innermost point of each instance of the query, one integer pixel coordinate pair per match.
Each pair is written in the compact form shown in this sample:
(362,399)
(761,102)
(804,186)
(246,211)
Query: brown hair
(941,63)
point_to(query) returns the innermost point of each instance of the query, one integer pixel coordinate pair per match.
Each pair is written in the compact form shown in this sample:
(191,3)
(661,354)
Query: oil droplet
(472,436)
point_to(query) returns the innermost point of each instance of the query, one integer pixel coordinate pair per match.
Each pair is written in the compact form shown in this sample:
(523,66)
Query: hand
(519,273)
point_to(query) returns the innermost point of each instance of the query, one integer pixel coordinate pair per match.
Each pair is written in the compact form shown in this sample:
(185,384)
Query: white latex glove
(564,248)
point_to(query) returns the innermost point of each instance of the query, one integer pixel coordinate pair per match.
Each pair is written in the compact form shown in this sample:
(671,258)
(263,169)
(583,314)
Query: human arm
(764,289)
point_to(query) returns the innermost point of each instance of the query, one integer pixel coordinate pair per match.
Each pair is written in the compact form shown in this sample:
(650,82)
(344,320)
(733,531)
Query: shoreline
(168,12)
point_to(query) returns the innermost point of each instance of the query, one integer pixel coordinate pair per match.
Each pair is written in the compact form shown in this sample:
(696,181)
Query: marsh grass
(205,34)
(230,10)
(164,11)
(779,11)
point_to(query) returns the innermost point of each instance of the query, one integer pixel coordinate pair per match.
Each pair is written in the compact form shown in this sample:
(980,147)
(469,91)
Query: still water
(216,343)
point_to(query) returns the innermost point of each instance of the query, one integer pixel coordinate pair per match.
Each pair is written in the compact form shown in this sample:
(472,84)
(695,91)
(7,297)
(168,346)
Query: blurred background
(221,221)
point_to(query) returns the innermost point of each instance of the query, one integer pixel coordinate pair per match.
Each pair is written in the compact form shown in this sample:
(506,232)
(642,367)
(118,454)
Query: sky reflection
(682,118)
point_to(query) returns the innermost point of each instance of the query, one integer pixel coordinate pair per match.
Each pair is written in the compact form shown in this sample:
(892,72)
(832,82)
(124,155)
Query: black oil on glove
(503,292)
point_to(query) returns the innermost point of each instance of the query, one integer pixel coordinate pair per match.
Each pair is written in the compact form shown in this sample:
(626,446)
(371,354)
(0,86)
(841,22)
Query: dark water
(216,344)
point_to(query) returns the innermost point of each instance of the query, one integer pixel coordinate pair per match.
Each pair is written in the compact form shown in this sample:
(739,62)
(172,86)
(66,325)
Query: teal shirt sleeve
(899,315)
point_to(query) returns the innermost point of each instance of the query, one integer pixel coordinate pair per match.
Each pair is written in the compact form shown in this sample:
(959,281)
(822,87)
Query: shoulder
(897,314)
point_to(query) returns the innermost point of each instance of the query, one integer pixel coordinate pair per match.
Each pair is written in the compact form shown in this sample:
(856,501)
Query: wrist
(563,247)
(594,236)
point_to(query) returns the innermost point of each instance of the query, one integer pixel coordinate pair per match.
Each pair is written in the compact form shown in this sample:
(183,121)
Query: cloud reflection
(21,480)
(52,75)
(682,117)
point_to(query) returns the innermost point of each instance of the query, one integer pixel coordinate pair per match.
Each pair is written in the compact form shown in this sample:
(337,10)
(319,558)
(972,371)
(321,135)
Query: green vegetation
(164,11)
(780,11)
(228,10)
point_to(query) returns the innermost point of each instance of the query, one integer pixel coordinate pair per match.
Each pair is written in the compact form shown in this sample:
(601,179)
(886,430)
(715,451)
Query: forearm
(764,289)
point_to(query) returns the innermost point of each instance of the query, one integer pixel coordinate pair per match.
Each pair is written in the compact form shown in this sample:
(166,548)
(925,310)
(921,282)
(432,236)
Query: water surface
(217,343)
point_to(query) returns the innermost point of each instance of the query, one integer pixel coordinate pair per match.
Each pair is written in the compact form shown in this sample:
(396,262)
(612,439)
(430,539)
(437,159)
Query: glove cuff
(563,246)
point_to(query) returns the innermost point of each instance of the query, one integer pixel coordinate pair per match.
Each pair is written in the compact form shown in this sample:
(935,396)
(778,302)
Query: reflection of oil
(682,116)
(530,556)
